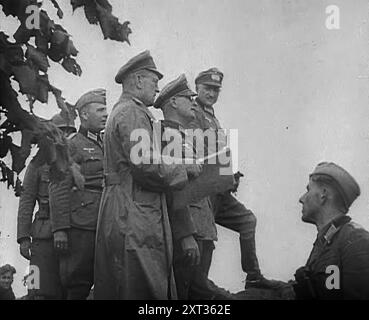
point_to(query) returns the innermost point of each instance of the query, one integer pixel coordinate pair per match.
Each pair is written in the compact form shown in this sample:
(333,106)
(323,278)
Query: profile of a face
(310,201)
(95,116)
(6,280)
(148,83)
(185,107)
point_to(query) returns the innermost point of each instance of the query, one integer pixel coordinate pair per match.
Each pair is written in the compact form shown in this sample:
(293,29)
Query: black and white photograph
(208,151)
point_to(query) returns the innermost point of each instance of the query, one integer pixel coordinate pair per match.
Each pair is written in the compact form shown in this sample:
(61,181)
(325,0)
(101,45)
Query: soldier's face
(95,116)
(185,107)
(311,201)
(6,280)
(149,88)
(208,95)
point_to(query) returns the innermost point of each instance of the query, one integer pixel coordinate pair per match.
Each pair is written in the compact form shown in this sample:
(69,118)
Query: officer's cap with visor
(177,87)
(143,61)
(212,77)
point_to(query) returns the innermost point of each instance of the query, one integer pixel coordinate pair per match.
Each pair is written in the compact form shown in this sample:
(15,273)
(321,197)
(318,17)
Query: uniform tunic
(75,211)
(37,228)
(345,244)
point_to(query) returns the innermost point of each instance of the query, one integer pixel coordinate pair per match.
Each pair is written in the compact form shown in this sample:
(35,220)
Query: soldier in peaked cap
(134,243)
(228,211)
(341,247)
(193,227)
(75,201)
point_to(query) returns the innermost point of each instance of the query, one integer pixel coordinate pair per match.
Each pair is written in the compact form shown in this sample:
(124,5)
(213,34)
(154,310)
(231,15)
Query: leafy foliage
(27,61)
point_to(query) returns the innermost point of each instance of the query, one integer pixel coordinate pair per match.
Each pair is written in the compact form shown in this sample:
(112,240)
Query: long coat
(133,257)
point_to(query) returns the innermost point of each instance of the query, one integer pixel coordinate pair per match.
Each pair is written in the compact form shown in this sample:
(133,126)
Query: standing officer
(338,266)
(75,205)
(193,227)
(228,211)
(134,243)
(35,237)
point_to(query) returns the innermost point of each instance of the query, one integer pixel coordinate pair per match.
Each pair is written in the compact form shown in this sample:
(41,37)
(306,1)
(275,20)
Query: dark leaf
(3,171)
(11,7)
(14,54)
(9,177)
(31,101)
(105,4)
(78,3)
(91,12)
(67,109)
(123,32)
(70,49)
(43,88)
(20,154)
(5,66)
(8,127)
(59,12)
(18,187)
(23,34)
(17,163)
(38,58)
(42,43)
(46,24)
(5,144)
(72,66)
(60,28)
(27,79)
(111,27)
(59,43)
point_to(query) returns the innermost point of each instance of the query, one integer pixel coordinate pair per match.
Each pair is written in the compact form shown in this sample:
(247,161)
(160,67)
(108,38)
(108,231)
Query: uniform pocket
(84,209)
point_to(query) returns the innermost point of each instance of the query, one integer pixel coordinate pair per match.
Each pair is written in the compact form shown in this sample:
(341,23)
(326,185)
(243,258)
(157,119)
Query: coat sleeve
(136,136)
(27,202)
(181,221)
(355,269)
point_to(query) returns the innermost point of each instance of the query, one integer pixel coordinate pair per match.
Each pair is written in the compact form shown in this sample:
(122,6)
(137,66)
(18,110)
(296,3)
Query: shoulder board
(72,135)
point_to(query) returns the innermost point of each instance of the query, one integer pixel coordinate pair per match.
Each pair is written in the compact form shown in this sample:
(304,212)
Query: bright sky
(296,91)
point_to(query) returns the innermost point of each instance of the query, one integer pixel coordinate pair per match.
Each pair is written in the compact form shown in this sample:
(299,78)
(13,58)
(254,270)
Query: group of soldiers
(111,223)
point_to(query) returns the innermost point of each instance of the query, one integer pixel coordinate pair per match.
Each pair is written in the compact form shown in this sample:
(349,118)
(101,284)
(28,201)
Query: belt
(111,179)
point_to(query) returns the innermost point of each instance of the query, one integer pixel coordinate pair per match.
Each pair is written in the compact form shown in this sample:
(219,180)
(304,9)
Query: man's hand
(193,170)
(61,241)
(25,248)
(191,250)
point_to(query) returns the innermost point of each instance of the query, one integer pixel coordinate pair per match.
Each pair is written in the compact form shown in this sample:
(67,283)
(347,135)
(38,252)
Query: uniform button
(83,204)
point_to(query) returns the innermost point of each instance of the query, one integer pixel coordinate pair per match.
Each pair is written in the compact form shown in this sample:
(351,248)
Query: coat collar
(328,232)
(138,103)
(95,137)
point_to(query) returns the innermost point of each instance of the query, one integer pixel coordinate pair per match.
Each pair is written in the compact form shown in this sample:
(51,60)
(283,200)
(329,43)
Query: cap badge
(215,77)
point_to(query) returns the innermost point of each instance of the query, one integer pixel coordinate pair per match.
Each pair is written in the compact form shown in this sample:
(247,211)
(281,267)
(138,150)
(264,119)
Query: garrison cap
(211,77)
(143,61)
(348,187)
(177,87)
(93,96)
(62,122)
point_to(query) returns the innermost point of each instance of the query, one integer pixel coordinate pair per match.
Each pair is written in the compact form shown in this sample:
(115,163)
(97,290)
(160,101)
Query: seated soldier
(338,266)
